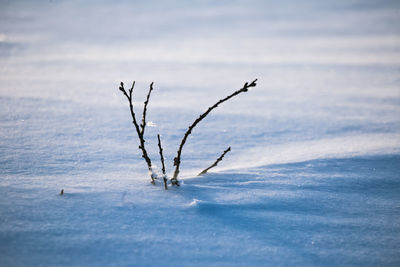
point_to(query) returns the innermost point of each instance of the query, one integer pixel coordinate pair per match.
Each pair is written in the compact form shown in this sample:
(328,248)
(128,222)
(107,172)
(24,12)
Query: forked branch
(215,163)
(139,131)
(177,159)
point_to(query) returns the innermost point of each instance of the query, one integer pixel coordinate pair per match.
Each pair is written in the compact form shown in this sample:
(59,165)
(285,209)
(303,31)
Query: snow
(151,124)
(313,175)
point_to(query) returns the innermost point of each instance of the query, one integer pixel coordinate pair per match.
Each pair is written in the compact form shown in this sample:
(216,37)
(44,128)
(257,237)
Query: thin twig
(215,163)
(177,159)
(162,162)
(138,131)
(143,125)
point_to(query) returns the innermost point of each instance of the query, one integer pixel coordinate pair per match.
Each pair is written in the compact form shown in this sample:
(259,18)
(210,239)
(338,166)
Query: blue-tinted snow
(313,175)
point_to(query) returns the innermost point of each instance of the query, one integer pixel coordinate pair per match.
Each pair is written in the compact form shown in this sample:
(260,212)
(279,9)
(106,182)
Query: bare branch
(177,159)
(215,163)
(138,131)
(143,125)
(162,162)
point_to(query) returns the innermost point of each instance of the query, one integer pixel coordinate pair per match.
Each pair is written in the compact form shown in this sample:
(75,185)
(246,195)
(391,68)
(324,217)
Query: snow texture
(313,178)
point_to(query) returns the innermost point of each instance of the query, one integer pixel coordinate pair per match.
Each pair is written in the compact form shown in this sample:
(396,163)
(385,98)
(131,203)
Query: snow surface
(313,178)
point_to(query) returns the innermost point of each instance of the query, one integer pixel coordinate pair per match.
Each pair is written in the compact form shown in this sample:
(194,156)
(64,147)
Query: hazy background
(328,71)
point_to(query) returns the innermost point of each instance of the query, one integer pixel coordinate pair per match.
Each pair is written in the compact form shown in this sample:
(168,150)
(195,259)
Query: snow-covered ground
(313,178)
